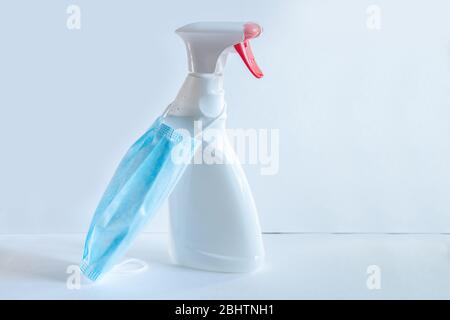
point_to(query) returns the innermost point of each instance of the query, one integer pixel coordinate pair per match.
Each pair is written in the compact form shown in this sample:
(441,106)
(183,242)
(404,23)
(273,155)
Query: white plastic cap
(207,44)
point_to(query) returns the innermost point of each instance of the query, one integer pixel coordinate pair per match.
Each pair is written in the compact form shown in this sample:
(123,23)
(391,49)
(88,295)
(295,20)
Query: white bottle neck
(201,96)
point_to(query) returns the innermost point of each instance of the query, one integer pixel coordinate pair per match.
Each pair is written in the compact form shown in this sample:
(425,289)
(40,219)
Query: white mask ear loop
(130,266)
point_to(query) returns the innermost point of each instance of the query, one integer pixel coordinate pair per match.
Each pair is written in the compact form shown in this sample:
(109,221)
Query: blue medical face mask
(144,179)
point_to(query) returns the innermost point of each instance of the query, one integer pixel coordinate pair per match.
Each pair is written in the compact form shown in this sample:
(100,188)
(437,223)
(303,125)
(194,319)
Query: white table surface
(298,266)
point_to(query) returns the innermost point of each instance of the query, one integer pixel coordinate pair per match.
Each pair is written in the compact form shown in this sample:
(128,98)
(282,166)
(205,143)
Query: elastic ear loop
(137,266)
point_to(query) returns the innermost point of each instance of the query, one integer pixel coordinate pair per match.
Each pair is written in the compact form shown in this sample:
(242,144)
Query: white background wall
(363,115)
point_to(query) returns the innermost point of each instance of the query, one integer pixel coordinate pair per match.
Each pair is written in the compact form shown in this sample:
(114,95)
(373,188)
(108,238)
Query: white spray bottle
(213,219)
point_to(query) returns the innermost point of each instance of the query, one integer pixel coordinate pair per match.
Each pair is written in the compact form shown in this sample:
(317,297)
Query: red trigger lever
(251,30)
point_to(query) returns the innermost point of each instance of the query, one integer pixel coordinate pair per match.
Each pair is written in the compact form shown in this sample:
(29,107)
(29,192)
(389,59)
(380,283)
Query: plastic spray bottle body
(213,218)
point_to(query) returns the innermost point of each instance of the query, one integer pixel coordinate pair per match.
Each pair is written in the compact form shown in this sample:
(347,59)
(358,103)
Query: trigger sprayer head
(208,44)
